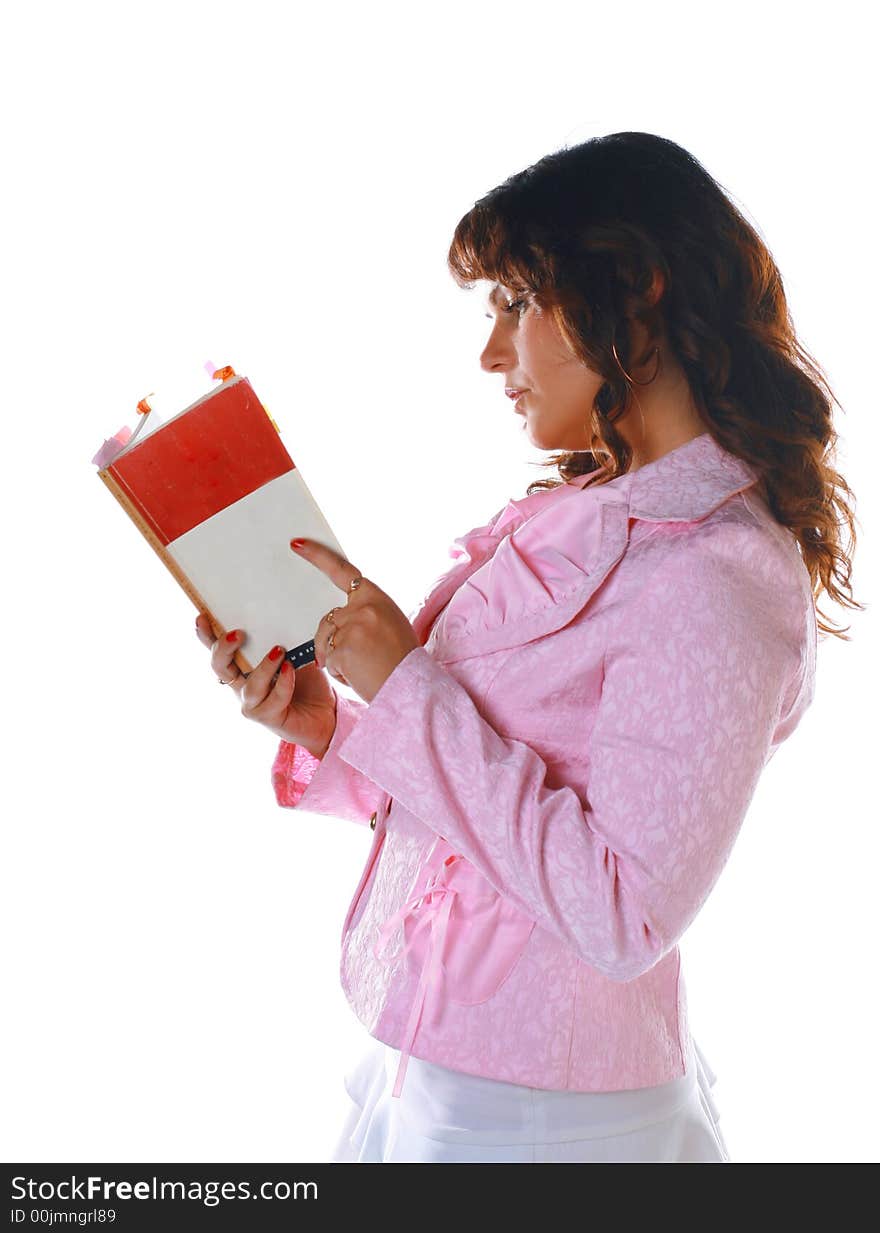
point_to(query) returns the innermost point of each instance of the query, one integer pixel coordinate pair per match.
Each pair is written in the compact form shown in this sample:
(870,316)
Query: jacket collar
(685,485)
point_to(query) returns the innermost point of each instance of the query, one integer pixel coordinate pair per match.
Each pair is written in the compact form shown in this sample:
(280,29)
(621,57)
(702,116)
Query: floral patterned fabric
(560,770)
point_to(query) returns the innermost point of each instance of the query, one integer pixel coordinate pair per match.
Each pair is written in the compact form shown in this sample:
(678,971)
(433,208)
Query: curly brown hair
(584,231)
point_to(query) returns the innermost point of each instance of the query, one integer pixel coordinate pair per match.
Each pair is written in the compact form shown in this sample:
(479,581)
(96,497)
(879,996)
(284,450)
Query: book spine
(167,560)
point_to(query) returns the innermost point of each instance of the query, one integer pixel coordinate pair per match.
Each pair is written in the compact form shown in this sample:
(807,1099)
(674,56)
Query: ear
(638,304)
(657,287)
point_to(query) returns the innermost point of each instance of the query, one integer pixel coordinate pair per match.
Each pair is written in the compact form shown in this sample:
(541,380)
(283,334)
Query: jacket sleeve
(703,677)
(326,785)
(330,785)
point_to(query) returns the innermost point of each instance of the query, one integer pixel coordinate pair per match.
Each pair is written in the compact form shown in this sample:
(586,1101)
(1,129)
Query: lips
(513,393)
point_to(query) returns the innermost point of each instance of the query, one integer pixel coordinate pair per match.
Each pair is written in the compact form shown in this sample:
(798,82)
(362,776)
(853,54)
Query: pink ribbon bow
(432,906)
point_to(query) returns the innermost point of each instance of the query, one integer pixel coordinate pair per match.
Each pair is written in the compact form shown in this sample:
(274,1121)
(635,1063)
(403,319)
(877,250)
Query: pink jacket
(570,753)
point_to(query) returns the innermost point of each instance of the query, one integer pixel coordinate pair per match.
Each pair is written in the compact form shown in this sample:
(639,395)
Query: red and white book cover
(219,498)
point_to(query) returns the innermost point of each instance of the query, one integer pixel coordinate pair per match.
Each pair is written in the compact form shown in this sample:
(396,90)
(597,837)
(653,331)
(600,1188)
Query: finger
(260,681)
(325,631)
(275,702)
(204,632)
(338,569)
(223,652)
(332,622)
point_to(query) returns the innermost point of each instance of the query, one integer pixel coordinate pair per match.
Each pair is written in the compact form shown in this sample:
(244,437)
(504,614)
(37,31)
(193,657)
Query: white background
(274,186)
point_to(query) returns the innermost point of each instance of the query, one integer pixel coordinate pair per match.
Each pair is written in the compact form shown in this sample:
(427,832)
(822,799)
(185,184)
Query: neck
(660,417)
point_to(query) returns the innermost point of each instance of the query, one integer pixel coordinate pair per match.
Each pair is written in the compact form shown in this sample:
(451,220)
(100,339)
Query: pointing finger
(338,568)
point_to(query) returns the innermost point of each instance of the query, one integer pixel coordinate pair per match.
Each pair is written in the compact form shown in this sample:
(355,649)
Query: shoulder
(737,566)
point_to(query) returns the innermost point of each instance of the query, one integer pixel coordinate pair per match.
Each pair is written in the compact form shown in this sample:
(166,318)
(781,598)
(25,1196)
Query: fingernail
(296,544)
(232,635)
(275,652)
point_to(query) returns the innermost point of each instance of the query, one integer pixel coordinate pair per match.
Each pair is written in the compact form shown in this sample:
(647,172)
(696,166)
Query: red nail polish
(297,543)
(275,652)
(232,635)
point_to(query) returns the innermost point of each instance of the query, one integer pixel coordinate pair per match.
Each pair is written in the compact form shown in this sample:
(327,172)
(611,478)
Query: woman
(556,752)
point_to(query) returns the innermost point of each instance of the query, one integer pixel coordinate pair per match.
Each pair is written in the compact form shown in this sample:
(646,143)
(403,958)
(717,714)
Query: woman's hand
(370,634)
(298,705)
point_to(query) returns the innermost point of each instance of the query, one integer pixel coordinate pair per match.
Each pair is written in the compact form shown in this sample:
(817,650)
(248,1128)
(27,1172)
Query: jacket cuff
(325,785)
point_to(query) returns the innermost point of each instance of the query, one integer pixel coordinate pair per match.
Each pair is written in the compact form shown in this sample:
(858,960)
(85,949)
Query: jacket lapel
(474,549)
(685,485)
(553,613)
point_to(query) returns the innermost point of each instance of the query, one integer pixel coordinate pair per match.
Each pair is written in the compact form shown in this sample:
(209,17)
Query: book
(217,496)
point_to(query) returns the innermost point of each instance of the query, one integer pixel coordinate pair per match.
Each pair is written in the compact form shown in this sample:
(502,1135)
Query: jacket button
(373,822)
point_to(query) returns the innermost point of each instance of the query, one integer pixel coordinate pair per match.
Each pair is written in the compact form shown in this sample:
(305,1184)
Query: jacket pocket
(484,937)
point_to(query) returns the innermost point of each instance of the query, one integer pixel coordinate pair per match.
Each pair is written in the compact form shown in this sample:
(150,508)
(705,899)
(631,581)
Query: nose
(499,354)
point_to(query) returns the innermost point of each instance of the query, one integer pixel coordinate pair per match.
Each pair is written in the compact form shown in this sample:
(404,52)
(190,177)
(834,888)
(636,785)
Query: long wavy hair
(584,231)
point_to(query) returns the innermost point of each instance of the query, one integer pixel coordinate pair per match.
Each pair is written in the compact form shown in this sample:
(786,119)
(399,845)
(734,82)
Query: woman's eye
(511,306)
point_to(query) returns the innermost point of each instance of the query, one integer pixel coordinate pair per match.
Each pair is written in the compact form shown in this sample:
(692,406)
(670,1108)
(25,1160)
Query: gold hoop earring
(632,380)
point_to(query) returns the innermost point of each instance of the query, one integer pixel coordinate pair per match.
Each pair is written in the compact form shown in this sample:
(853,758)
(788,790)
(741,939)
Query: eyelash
(509,308)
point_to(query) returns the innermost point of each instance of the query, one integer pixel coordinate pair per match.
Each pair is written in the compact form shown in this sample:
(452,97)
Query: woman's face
(526,349)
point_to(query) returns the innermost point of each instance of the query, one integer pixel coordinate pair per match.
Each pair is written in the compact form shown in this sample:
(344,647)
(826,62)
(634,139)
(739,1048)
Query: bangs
(485,248)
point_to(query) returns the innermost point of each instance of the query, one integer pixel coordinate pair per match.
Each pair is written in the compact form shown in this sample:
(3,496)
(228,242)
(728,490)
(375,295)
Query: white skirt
(444,1116)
